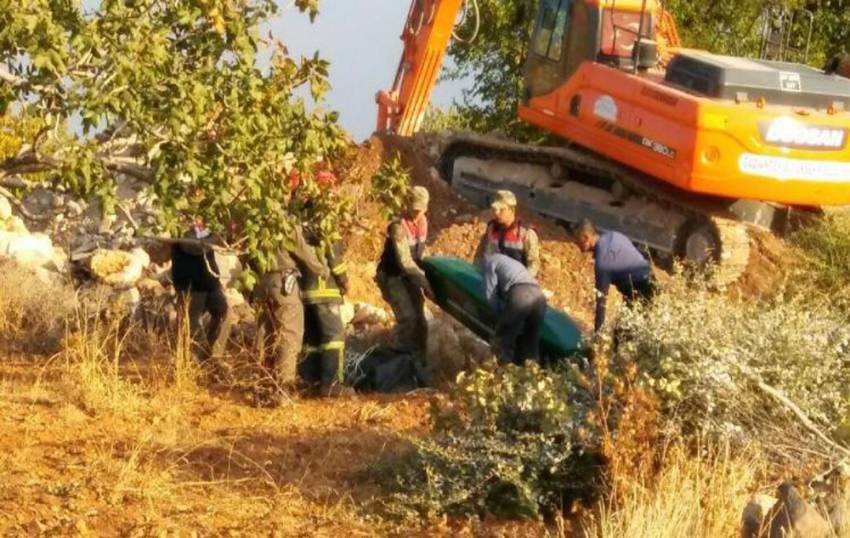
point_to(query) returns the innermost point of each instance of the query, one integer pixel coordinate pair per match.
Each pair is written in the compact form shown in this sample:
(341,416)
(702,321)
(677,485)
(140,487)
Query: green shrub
(826,264)
(709,358)
(506,442)
(390,186)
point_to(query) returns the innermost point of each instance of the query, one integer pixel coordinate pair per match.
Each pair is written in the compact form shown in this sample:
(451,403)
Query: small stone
(5,209)
(74,208)
(346,312)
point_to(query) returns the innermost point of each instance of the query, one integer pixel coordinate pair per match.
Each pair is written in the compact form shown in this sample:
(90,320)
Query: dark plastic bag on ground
(383,369)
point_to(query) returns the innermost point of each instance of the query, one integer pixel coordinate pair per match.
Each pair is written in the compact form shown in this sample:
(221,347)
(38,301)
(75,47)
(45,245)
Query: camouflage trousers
(408,305)
(280,331)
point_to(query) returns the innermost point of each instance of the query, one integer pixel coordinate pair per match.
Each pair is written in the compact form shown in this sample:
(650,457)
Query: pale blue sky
(361,40)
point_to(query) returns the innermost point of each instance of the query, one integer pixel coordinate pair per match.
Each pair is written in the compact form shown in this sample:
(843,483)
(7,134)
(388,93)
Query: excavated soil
(771,262)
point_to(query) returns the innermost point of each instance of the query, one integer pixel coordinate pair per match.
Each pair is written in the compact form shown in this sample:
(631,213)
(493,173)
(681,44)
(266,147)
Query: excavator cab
(618,33)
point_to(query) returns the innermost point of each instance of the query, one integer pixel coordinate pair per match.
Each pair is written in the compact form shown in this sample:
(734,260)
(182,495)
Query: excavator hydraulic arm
(426,37)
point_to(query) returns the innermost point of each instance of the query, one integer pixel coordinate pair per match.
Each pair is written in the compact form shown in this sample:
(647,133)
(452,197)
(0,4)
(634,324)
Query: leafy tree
(172,94)
(735,26)
(493,61)
(390,187)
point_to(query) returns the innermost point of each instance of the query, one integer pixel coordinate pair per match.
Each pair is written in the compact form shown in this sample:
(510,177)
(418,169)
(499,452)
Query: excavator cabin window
(551,27)
(619,33)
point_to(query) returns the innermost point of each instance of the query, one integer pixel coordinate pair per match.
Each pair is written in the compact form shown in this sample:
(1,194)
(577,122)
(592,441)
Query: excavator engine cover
(779,83)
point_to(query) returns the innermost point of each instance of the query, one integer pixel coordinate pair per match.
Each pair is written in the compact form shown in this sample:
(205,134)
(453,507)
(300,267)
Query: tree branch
(17,203)
(14,80)
(793,408)
(32,162)
(15,182)
(129,167)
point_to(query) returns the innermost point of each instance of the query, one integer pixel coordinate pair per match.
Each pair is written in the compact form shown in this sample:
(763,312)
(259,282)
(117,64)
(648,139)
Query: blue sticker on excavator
(459,290)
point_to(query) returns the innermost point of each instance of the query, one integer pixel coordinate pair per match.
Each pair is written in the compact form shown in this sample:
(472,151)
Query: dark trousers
(640,290)
(214,303)
(644,290)
(324,346)
(519,325)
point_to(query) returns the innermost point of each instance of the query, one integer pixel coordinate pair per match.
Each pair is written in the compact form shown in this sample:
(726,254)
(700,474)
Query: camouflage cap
(504,199)
(419,198)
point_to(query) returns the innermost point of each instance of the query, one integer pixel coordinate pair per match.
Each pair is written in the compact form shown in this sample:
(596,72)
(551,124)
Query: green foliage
(444,119)
(171,93)
(503,444)
(493,62)
(705,356)
(735,26)
(826,272)
(390,187)
(14,130)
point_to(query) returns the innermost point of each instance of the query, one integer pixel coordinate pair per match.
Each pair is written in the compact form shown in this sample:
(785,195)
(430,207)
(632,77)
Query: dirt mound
(771,261)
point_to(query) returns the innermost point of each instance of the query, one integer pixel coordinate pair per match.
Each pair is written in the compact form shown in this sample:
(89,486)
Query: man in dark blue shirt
(617,262)
(518,305)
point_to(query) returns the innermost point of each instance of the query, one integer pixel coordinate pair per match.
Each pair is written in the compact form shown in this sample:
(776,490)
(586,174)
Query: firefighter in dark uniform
(324,332)
(507,235)
(280,323)
(401,279)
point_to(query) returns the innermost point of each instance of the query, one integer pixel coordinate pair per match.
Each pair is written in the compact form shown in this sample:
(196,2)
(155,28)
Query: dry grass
(122,436)
(691,496)
(32,312)
(92,356)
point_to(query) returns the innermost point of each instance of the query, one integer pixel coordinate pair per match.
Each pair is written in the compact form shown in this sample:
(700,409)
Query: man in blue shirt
(517,304)
(617,262)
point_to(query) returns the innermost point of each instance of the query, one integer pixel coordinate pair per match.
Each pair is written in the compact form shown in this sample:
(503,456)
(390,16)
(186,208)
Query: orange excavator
(679,149)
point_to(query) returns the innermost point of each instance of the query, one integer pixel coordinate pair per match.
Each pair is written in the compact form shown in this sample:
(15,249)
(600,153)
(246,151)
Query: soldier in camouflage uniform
(324,333)
(507,235)
(402,280)
(280,324)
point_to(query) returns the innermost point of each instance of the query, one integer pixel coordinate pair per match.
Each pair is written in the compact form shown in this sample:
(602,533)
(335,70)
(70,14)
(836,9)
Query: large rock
(29,250)
(118,268)
(790,516)
(229,268)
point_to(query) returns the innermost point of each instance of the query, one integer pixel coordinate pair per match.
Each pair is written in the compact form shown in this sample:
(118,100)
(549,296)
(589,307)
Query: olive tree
(173,94)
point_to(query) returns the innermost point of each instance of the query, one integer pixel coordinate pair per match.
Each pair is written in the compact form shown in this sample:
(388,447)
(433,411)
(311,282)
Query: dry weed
(691,496)
(32,312)
(92,353)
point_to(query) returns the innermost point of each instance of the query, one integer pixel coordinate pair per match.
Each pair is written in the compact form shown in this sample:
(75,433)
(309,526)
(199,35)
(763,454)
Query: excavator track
(683,225)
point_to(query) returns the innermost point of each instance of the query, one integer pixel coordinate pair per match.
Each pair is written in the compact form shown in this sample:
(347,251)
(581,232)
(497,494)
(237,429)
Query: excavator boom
(426,37)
